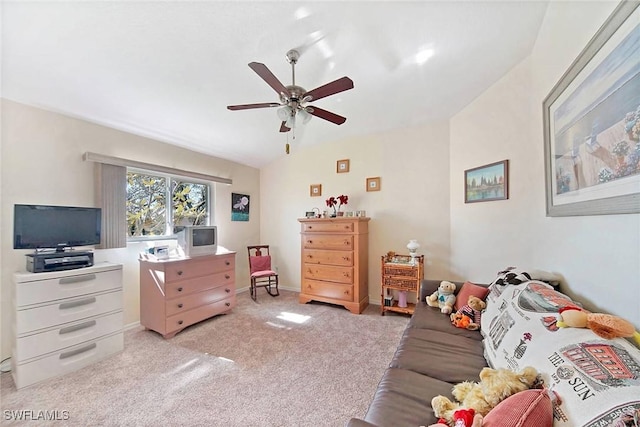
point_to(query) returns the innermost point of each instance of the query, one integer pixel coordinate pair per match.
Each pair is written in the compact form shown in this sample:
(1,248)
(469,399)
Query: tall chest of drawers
(177,293)
(334,265)
(65,320)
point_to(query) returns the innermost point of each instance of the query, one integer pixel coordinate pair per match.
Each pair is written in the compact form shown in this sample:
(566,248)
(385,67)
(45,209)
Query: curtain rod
(117,161)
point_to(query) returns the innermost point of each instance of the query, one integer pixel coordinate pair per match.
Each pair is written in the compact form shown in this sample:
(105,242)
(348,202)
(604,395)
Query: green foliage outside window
(147,213)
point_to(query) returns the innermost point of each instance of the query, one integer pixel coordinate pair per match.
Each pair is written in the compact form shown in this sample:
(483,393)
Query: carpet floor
(273,362)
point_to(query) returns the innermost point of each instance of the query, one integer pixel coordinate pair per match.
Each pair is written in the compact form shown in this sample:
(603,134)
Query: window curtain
(111,191)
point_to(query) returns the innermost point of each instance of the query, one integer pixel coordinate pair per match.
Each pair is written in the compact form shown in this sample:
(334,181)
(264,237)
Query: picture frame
(591,124)
(315,190)
(342,166)
(373,184)
(240,206)
(487,183)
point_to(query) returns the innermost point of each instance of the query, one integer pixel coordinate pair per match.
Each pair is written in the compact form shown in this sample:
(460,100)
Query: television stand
(39,262)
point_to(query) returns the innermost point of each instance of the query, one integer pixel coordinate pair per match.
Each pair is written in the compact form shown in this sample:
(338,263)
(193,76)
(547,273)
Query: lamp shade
(284,113)
(304,116)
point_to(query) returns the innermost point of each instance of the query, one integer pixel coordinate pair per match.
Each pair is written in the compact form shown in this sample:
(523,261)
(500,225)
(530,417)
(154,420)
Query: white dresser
(65,320)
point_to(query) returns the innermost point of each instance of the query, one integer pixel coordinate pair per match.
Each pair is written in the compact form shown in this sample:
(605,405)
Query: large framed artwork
(592,124)
(487,183)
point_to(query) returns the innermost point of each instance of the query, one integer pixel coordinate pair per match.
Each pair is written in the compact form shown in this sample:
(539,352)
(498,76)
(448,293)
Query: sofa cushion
(431,318)
(403,398)
(442,356)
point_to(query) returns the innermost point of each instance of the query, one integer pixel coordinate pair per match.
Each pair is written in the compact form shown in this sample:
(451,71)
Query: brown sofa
(432,356)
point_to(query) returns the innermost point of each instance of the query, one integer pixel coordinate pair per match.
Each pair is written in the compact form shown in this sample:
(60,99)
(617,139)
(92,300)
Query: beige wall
(599,256)
(42,164)
(413,202)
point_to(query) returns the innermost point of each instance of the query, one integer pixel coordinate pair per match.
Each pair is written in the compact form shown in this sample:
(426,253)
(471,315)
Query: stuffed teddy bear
(468,316)
(443,298)
(495,385)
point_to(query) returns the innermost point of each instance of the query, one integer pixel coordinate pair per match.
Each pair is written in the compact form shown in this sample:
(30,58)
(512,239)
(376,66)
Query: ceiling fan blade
(284,128)
(327,115)
(268,77)
(336,86)
(249,106)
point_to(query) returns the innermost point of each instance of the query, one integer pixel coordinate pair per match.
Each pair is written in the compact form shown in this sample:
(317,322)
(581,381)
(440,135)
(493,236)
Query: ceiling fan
(294,99)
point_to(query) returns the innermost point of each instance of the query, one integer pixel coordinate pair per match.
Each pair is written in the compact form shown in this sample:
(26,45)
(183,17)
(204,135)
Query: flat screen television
(59,227)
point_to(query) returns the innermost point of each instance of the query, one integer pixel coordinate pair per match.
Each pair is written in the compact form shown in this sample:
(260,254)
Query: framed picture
(373,184)
(592,124)
(315,190)
(487,183)
(342,166)
(239,207)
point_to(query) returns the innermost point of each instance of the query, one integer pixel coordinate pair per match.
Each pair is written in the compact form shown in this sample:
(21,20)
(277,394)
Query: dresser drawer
(332,242)
(328,272)
(328,227)
(319,256)
(198,267)
(185,287)
(67,360)
(182,320)
(39,291)
(188,302)
(66,311)
(68,335)
(328,290)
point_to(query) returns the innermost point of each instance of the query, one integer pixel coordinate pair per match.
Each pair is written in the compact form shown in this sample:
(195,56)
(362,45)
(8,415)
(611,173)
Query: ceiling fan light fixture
(284,113)
(291,122)
(304,116)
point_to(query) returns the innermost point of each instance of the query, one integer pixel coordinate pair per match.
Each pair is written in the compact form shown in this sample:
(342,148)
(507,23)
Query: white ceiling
(167,70)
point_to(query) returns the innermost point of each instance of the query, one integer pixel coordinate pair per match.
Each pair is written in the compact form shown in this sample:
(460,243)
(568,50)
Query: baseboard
(282,288)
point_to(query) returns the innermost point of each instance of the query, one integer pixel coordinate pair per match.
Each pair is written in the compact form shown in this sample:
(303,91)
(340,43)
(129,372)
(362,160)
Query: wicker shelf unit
(400,274)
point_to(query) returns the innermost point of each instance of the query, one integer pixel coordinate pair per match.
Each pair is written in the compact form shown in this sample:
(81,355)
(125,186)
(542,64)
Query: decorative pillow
(260,263)
(468,289)
(529,408)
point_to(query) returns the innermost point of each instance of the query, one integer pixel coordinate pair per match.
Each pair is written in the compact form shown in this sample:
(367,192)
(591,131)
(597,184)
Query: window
(150,214)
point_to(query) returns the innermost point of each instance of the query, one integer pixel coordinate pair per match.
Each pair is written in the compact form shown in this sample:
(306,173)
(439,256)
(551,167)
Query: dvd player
(58,261)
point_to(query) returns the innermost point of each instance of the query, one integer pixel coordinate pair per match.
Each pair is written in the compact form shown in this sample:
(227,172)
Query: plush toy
(469,315)
(477,421)
(604,325)
(495,385)
(443,298)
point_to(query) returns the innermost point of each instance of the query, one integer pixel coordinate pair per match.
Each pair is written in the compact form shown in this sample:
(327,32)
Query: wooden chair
(262,276)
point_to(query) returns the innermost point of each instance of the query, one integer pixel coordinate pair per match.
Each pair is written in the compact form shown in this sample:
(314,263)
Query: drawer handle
(77,351)
(309,256)
(72,304)
(346,292)
(180,289)
(226,276)
(179,305)
(179,272)
(309,241)
(74,328)
(77,279)
(345,274)
(346,227)
(310,227)
(227,304)
(346,242)
(227,290)
(180,322)
(346,258)
(227,262)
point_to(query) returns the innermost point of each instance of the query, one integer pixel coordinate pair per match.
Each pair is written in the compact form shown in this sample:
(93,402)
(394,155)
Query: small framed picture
(373,184)
(342,166)
(315,190)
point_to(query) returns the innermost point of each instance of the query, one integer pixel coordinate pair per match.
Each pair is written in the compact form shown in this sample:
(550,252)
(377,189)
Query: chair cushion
(260,263)
(264,273)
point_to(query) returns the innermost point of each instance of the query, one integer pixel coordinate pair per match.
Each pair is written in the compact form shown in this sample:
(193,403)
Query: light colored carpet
(271,363)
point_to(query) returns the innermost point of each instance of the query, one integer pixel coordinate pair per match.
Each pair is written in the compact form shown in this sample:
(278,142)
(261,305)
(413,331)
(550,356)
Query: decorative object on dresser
(179,292)
(400,273)
(413,247)
(65,320)
(262,276)
(335,261)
